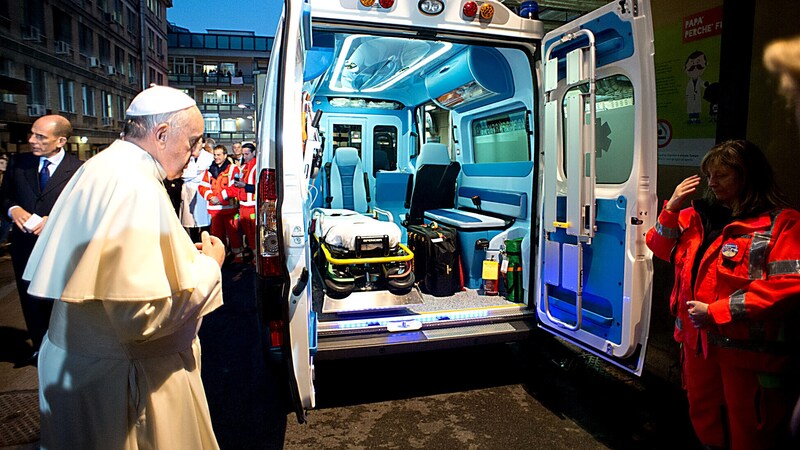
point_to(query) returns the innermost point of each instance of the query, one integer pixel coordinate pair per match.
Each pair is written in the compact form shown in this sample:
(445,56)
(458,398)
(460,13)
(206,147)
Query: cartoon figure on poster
(694,67)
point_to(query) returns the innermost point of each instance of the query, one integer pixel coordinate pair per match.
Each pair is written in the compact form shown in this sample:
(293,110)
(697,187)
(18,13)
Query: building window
(88,100)
(66,94)
(62,26)
(182,66)
(7,69)
(119,60)
(219,97)
(105,50)
(151,76)
(160,78)
(151,39)
(35,77)
(131,65)
(86,38)
(107,99)
(116,14)
(211,123)
(227,69)
(132,21)
(229,125)
(33,14)
(122,105)
(159,47)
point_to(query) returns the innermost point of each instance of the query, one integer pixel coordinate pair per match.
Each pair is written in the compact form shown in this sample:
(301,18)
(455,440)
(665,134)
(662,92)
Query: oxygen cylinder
(514,270)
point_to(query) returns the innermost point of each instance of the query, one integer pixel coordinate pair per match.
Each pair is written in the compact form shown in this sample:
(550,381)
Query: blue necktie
(44,175)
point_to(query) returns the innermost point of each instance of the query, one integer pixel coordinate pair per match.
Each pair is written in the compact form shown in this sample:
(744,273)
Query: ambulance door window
(615,112)
(384,148)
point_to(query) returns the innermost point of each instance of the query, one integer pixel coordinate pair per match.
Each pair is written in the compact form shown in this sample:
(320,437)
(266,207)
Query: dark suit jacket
(21,187)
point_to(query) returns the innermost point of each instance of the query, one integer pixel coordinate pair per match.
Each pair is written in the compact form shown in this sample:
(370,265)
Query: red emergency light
(470,9)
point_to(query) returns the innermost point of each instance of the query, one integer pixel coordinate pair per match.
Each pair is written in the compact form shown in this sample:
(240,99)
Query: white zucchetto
(159,100)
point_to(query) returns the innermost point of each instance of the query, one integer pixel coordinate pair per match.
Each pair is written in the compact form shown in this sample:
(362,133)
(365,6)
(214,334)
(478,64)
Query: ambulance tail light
(268,261)
(275,333)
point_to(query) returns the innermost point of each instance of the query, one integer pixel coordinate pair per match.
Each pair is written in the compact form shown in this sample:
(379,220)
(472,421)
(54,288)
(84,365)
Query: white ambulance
(532,154)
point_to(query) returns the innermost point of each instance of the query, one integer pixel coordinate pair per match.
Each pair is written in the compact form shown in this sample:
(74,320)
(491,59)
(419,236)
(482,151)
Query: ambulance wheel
(338,290)
(399,285)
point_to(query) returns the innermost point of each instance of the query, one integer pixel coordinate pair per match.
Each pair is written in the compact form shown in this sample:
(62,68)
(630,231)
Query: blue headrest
(346,156)
(433,153)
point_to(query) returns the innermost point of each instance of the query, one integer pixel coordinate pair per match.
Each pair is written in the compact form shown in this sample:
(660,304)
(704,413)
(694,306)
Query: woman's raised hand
(686,188)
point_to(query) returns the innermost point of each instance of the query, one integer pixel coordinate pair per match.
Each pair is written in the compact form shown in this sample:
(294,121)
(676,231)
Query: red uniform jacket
(247,175)
(749,276)
(218,181)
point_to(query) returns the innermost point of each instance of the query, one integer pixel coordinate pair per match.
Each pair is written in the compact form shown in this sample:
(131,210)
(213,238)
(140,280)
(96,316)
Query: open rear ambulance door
(599,182)
(286,215)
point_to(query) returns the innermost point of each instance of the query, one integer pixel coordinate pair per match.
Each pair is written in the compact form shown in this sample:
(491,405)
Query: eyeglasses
(696,67)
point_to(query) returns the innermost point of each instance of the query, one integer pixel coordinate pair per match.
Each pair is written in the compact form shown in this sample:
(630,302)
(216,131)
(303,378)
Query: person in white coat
(120,365)
(194,208)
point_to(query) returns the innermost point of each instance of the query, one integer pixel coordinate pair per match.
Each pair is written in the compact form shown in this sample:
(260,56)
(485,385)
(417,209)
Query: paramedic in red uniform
(737,280)
(246,193)
(782,58)
(218,190)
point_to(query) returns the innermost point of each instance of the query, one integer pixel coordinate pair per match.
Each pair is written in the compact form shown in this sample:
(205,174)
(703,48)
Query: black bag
(436,262)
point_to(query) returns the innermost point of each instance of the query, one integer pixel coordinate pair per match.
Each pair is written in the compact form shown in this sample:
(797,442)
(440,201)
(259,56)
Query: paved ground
(534,395)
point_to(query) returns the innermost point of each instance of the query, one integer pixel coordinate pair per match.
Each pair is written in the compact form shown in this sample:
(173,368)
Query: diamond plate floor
(19,417)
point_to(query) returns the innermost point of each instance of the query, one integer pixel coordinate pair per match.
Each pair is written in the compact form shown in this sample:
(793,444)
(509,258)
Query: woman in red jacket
(737,284)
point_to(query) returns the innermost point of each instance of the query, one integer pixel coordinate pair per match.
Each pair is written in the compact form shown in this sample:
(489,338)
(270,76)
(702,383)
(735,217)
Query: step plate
(370,301)
(473,330)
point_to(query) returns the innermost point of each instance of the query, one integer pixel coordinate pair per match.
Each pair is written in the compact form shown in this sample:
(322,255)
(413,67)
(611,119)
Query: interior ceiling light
(342,63)
(431,7)
(470,9)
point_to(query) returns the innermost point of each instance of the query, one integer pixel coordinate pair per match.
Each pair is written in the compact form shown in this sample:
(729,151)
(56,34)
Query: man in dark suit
(31,186)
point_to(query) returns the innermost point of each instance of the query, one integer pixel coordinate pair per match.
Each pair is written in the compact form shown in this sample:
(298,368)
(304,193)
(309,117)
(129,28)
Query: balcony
(227,110)
(238,136)
(209,80)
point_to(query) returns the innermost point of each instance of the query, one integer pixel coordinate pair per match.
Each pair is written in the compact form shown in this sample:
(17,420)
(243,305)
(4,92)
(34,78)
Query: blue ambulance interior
(393,98)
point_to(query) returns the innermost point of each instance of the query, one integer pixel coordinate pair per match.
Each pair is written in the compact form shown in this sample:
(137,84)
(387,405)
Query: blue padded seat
(347,190)
(471,225)
(464,220)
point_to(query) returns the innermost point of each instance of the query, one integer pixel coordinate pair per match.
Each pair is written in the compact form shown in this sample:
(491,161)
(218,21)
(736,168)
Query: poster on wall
(687,81)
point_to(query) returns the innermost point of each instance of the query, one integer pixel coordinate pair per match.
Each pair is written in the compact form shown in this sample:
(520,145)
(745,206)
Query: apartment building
(83,59)
(219,69)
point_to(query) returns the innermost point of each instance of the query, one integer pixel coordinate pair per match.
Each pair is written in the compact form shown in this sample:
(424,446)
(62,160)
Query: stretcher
(357,252)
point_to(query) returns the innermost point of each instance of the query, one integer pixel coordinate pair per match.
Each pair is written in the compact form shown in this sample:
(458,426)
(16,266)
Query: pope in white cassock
(120,365)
